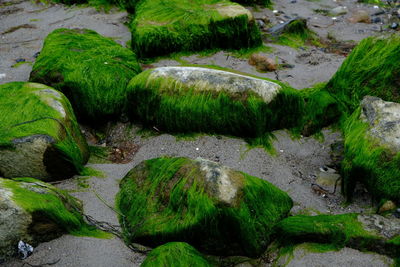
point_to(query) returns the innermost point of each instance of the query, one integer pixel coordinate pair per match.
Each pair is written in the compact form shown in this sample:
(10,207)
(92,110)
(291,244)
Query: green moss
(296,35)
(99,155)
(53,203)
(162,27)
(92,71)
(26,110)
(16,65)
(166,199)
(368,162)
(173,108)
(177,254)
(371,69)
(88,171)
(247,52)
(337,231)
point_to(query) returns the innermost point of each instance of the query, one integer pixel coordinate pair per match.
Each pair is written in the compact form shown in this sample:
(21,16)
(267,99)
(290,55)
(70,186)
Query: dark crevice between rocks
(57,165)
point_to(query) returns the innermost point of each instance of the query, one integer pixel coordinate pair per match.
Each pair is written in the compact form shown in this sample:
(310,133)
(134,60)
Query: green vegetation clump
(372,68)
(174,107)
(177,254)
(369,162)
(338,231)
(91,70)
(46,201)
(31,109)
(162,27)
(171,199)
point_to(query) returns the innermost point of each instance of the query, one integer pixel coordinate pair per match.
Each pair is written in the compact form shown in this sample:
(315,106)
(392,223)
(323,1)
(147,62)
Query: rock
(387,206)
(363,232)
(340,10)
(175,254)
(291,26)
(372,146)
(193,26)
(193,99)
(40,136)
(394,25)
(309,254)
(33,211)
(376,20)
(91,70)
(262,63)
(360,16)
(328,179)
(212,207)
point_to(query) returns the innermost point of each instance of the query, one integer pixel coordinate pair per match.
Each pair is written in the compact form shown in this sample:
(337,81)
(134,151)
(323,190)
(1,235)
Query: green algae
(88,171)
(165,200)
(162,27)
(55,204)
(369,162)
(37,116)
(91,70)
(370,69)
(171,108)
(177,254)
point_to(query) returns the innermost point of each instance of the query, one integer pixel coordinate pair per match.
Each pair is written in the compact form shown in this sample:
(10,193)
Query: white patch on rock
(384,120)
(204,79)
(217,178)
(52,98)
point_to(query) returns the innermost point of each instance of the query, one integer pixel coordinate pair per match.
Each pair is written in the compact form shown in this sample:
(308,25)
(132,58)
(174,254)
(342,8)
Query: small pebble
(20,60)
(2,75)
(376,20)
(293,1)
(394,26)
(197,148)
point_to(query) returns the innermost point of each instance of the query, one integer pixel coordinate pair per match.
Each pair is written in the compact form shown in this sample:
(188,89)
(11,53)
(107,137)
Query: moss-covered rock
(33,211)
(91,70)
(363,232)
(40,136)
(372,68)
(211,207)
(161,27)
(372,149)
(193,99)
(177,254)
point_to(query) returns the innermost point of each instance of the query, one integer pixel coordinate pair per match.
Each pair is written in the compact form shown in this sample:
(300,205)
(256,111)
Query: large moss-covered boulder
(372,149)
(161,27)
(193,99)
(177,254)
(39,134)
(34,211)
(360,231)
(210,206)
(372,68)
(91,70)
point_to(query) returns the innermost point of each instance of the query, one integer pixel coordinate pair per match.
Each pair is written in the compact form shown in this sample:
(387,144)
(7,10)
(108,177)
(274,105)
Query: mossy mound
(372,68)
(161,27)
(192,99)
(177,254)
(39,135)
(211,207)
(91,70)
(363,232)
(372,149)
(34,212)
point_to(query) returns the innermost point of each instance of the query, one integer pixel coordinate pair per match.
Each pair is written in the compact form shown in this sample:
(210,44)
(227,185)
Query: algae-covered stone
(193,99)
(360,231)
(177,254)
(161,27)
(91,70)
(372,149)
(372,68)
(309,254)
(210,206)
(34,211)
(40,136)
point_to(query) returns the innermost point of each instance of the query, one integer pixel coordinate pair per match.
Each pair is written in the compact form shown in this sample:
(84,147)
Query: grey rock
(340,10)
(303,255)
(384,120)
(203,79)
